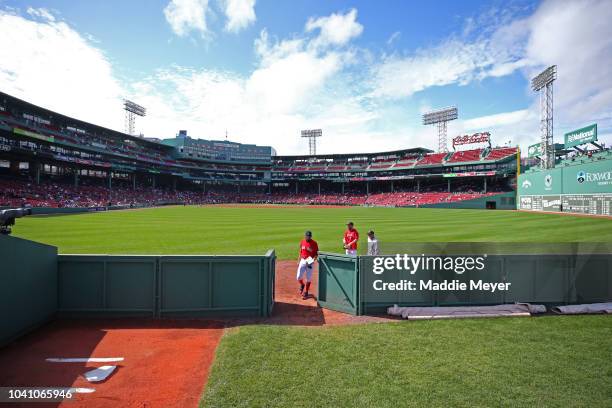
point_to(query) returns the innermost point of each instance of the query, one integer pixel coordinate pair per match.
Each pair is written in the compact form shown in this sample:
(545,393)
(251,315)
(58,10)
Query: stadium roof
(48,114)
(414,150)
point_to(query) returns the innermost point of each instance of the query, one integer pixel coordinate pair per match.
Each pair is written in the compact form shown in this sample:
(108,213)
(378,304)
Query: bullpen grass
(531,362)
(246,230)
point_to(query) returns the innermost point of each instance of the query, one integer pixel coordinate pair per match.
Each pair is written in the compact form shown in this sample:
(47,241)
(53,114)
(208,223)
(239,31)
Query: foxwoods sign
(602,178)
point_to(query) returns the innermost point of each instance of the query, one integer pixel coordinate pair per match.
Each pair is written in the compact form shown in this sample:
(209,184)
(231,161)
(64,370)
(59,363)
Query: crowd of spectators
(19,193)
(58,194)
(589,154)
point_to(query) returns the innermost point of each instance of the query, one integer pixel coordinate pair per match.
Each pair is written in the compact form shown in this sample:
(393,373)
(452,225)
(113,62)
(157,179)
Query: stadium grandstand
(53,161)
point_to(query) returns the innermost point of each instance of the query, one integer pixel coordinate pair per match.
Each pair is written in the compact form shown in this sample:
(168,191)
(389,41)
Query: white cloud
(518,127)
(290,73)
(394,37)
(318,79)
(287,91)
(336,29)
(574,35)
(48,63)
(455,61)
(449,63)
(185,16)
(240,14)
(496,49)
(41,13)
(499,119)
(291,87)
(577,37)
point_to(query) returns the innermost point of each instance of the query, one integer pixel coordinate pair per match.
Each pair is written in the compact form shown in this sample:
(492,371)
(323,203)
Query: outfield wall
(80,210)
(60,211)
(503,201)
(583,188)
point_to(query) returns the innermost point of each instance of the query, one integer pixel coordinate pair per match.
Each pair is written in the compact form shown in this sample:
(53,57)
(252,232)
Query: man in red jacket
(309,251)
(351,236)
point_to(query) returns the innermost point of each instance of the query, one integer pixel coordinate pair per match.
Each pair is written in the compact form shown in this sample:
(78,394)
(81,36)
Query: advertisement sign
(593,177)
(484,137)
(534,150)
(541,182)
(33,135)
(470,174)
(587,134)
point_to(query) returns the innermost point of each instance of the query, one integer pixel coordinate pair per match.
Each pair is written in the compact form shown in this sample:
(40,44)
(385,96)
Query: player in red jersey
(309,251)
(351,236)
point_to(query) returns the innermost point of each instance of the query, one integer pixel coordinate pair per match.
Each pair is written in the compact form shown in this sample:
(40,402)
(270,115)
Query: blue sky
(363,71)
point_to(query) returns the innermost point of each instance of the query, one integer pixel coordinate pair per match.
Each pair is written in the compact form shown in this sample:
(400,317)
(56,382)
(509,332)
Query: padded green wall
(166,286)
(503,201)
(28,286)
(547,279)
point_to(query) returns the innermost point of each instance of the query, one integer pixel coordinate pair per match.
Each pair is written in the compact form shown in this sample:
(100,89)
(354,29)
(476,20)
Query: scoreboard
(593,204)
(597,204)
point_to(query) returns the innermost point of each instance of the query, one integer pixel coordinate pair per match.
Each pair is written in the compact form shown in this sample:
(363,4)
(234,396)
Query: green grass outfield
(561,361)
(245,230)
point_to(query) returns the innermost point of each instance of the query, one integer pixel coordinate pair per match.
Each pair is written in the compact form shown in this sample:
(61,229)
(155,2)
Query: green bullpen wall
(583,188)
(504,201)
(166,286)
(28,286)
(345,283)
(37,284)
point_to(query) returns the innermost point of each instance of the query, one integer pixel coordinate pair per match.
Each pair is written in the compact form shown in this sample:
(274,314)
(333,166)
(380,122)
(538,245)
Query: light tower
(441,117)
(312,135)
(543,83)
(131,111)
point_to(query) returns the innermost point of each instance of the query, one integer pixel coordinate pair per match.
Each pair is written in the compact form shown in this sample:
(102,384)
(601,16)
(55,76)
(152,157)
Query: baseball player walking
(309,251)
(351,236)
(372,244)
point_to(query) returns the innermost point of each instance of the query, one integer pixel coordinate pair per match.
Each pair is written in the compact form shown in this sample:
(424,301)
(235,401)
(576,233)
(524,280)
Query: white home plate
(99,374)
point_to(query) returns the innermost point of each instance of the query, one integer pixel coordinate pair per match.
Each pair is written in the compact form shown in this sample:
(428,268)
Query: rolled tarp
(455,312)
(591,308)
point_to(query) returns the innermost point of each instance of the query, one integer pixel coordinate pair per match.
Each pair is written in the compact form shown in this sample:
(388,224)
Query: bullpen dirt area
(166,362)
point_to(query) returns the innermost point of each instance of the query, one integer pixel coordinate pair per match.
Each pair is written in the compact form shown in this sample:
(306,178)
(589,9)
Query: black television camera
(7,218)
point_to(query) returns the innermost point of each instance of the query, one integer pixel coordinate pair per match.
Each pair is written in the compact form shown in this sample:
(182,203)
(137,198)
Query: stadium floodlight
(544,78)
(131,111)
(312,135)
(543,83)
(441,117)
